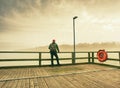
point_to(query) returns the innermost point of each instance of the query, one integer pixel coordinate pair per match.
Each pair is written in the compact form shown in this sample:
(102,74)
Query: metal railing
(17,58)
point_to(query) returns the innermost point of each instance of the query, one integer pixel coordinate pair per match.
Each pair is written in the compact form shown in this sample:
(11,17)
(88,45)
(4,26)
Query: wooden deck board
(108,77)
(42,83)
(19,85)
(75,76)
(82,81)
(26,83)
(75,81)
(52,83)
(1,84)
(64,83)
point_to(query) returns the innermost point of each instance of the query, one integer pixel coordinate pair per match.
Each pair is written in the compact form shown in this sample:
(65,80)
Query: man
(53,52)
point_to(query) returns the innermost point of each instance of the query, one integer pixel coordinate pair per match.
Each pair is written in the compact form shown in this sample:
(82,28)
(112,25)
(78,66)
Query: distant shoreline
(110,46)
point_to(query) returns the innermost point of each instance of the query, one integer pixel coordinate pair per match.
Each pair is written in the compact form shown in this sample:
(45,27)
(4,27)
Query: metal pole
(74,37)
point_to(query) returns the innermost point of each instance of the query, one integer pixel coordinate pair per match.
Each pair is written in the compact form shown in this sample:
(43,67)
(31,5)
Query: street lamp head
(75,17)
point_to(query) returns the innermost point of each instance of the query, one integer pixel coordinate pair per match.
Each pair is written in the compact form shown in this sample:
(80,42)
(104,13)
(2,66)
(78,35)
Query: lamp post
(75,17)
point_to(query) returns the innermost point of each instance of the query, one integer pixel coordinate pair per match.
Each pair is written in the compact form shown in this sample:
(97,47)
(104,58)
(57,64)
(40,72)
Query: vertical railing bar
(73,58)
(119,58)
(39,58)
(89,57)
(92,57)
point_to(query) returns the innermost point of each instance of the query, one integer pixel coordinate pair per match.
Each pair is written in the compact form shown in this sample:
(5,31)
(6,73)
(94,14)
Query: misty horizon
(32,23)
(83,45)
(108,46)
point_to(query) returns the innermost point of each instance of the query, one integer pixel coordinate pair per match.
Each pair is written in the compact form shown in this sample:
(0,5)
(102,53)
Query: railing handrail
(48,51)
(90,56)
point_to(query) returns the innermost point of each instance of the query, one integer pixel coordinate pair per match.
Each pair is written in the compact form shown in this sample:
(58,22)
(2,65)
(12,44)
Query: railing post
(89,57)
(92,57)
(119,58)
(73,58)
(39,58)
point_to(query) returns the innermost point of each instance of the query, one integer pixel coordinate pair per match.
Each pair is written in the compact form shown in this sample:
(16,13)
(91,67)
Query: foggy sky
(31,23)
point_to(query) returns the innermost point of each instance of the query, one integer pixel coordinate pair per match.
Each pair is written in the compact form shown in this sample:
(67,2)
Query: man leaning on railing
(53,47)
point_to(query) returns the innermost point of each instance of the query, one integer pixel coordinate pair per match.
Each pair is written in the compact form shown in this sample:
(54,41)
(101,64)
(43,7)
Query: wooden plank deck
(73,76)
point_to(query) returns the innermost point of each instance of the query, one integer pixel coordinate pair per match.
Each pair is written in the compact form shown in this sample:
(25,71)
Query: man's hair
(53,40)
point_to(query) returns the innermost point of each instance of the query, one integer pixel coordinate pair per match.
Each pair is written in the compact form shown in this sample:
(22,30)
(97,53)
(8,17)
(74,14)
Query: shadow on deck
(72,76)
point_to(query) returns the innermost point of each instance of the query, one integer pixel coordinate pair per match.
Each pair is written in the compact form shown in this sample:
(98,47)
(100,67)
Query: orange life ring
(102,55)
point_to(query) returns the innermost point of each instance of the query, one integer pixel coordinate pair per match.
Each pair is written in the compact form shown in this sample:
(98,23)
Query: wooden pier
(71,76)
(82,71)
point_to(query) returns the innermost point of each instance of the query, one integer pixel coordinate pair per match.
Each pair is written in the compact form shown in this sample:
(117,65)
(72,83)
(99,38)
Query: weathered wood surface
(74,76)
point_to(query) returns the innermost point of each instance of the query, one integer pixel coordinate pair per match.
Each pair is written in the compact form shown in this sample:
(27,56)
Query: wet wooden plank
(19,85)
(64,83)
(42,83)
(74,81)
(111,78)
(7,84)
(79,81)
(2,84)
(52,83)
(34,83)
(102,77)
(26,83)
